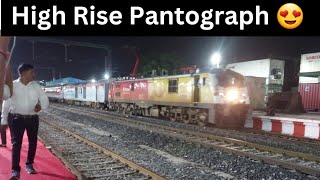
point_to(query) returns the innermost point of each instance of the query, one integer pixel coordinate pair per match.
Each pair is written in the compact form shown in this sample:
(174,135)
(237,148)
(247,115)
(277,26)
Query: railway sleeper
(110,175)
(104,168)
(96,163)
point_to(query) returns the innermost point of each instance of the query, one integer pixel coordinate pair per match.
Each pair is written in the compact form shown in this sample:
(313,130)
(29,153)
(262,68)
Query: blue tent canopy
(68,80)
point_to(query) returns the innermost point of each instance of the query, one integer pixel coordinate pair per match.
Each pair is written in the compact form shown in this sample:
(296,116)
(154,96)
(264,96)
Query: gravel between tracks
(312,149)
(167,157)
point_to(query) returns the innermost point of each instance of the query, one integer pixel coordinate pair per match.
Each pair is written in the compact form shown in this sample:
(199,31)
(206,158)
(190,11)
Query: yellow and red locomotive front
(218,97)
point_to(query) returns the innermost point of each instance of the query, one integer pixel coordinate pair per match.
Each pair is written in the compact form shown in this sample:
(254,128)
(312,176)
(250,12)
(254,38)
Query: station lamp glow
(106,76)
(93,80)
(215,59)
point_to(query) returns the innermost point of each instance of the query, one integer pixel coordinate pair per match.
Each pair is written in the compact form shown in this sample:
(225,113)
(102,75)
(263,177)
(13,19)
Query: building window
(173,86)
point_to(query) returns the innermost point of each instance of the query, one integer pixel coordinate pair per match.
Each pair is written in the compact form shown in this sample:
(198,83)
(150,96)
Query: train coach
(89,94)
(217,97)
(54,93)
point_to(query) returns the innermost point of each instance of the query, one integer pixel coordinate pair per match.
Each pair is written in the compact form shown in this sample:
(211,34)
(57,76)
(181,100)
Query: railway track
(88,160)
(244,131)
(304,140)
(305,163)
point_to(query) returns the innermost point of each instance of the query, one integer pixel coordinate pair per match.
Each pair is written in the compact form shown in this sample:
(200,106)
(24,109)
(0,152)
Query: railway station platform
(48,166)
(303,125)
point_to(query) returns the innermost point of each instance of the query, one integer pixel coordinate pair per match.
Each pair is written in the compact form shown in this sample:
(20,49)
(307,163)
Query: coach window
(173,86)
(84,92)
(132,86)
(117,85)
(204,81)
(76,92)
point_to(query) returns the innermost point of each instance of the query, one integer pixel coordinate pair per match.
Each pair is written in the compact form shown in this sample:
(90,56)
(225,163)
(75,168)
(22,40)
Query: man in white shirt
(27,100)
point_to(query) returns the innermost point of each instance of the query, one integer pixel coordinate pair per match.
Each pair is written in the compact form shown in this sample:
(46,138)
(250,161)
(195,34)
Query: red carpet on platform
(47,165)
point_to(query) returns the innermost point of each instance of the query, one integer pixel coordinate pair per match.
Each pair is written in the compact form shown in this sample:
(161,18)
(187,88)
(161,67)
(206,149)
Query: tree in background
(159,62)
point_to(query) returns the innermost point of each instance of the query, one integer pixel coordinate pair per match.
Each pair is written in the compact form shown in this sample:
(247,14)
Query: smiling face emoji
(290,16)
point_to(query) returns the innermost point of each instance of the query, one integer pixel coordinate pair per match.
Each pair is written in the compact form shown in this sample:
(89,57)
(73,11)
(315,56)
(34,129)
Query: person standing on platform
(27,100)
(4,66)
(5,80)
(4,118)
(7,93)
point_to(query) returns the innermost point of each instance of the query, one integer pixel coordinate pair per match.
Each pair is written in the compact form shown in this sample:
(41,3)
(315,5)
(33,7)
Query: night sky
(87,63)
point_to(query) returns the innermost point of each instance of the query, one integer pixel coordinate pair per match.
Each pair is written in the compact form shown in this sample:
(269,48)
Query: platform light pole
(215,59)
(106,76)
(108,63)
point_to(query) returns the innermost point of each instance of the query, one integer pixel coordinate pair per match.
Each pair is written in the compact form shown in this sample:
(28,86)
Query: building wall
(310,63)
(260,68)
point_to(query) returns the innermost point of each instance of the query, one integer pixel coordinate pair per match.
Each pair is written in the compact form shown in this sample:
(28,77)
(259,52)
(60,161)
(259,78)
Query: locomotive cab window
(276,73)
(173,86)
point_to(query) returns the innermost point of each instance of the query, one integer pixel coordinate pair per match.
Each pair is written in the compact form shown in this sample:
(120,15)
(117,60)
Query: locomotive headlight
(232,95)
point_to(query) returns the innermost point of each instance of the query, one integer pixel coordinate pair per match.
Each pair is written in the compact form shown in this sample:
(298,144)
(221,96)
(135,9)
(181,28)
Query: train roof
(210,71)
(63,81)
(74,81)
